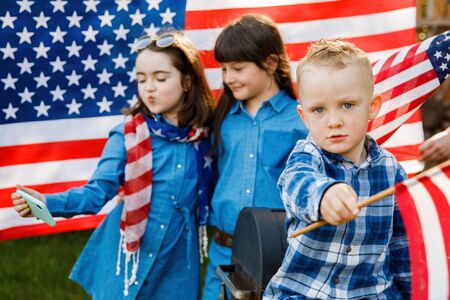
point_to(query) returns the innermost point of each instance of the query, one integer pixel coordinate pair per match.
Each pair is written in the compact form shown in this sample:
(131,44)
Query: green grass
(39,267)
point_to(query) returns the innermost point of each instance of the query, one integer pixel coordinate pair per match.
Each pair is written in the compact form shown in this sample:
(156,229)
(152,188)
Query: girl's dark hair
(251,38)
(197,107)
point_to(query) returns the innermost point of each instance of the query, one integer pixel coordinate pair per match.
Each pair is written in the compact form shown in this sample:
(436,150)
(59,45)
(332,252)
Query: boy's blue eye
(318,110)
(348,105)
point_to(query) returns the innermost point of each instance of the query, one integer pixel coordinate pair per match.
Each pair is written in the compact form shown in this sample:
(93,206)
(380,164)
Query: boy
(364,253)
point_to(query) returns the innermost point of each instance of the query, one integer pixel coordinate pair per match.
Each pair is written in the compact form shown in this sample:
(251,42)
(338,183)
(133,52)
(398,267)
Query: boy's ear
(375,106)
(300,113)
(271,63)
(187,83)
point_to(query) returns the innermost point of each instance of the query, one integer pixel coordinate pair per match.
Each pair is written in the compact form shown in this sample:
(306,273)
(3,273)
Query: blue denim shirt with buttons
(169,253)
(255,152)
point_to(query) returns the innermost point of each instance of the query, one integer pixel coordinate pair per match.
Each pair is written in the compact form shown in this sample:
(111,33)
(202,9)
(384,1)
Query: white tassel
(125,278)
(118,253)
(129,256)
(135,258)
(203,242)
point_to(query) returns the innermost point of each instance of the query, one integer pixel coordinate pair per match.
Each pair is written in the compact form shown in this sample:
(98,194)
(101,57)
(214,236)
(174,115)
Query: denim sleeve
(398,248)
(302,185)
(103,185)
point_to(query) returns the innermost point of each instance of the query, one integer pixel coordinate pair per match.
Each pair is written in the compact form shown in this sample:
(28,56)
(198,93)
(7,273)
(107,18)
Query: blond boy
(364,253)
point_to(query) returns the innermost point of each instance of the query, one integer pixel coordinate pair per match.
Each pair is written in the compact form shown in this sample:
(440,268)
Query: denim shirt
(255,152)
(165,252)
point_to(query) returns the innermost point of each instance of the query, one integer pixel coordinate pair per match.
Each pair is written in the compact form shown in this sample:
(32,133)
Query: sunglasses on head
(162,42)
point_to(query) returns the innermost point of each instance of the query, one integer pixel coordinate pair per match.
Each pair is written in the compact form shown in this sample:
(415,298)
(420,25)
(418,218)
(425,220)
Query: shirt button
(150,254)
(247,191)
(172,197)
(251,155)
(254,123)
(162,226)
(336,280)
(179,166)
(349,249)
(136,283)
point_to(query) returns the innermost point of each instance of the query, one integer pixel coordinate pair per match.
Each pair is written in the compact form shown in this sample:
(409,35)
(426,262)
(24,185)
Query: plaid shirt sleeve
(398,248)
(302,184)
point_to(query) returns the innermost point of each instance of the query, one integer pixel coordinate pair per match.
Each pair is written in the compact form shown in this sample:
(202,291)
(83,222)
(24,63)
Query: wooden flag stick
(374,198)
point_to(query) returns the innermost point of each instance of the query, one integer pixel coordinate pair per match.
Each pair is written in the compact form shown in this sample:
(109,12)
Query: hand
(436,149)
(339,204)
(20,205)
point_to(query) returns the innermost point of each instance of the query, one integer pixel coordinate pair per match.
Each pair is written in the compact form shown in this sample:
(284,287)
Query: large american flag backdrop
(66,71)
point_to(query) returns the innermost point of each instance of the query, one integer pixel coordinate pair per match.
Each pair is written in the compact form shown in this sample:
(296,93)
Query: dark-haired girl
(256,125)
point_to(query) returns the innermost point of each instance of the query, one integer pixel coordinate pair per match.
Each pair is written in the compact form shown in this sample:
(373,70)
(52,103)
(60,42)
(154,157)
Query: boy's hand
(20,205)
(339,204)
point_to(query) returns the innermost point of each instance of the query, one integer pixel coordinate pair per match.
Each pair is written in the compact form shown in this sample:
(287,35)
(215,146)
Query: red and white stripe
(49,161)
(425,207)
(138,181)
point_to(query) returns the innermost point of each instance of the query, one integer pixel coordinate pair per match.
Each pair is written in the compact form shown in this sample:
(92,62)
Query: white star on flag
(26,96)
(8,20)
(25,5)
(89,92)
(25,36)
(74,20)
(25,66)
(119,89)
(58,35)
(58,65)
(104,105)
(106,19)
(167,16)
(41,21)
(153,4)
(42,109)
(8,51)
(10,111)
(58,94)
(10,82)
(104,77)
(74,107)
(122,4)
(42,80)
(73,78)
(91,5)
(41,50)
(58,5)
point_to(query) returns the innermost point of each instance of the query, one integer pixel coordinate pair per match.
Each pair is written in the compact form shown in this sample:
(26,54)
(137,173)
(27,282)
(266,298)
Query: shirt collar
(278,102)
(373,153)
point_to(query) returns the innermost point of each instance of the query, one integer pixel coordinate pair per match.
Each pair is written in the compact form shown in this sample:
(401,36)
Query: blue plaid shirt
(365,258)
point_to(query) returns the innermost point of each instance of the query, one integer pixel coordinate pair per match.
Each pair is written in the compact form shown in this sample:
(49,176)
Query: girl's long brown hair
(197,107)
(251,38)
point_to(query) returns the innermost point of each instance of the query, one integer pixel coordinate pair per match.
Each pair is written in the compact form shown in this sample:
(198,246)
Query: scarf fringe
(129,256)
(203,242)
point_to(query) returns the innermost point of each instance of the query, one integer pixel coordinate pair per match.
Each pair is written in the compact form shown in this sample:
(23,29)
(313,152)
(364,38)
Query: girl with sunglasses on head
(255,127)
(146,248)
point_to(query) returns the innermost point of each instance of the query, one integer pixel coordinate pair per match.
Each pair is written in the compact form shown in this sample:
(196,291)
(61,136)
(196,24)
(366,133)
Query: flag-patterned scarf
(138,181)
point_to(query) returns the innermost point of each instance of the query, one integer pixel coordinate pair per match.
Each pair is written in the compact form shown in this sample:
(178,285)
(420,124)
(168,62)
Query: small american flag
(67,70)
(405,80)
(425,206)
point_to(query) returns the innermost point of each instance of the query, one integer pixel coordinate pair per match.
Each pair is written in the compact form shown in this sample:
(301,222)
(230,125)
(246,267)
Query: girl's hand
(339,204)
(20,205)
